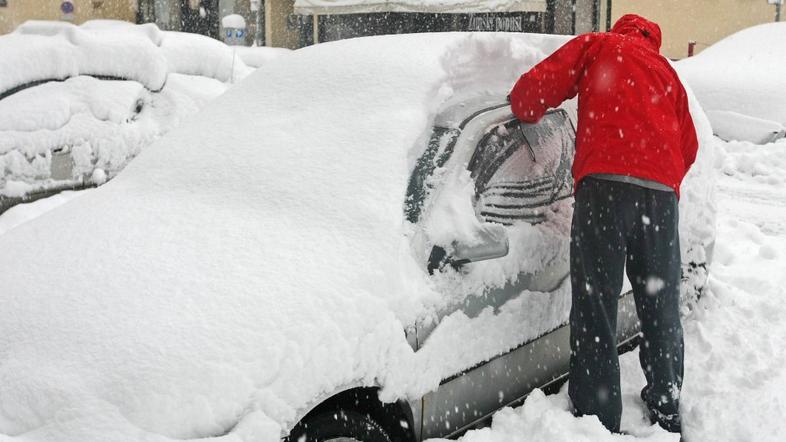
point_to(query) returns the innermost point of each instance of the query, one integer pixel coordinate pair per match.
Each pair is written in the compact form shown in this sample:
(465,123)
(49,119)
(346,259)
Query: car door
(520,173)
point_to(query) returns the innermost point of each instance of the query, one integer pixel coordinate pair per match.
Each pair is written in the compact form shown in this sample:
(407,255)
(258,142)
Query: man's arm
(551,81)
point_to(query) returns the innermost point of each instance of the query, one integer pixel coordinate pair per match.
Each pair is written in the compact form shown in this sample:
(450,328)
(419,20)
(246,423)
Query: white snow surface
(743,73)
(258,56)
(95,120)
(733,126)
(169,75)
(248,263)
(46,50)
(734,383)
(23,213)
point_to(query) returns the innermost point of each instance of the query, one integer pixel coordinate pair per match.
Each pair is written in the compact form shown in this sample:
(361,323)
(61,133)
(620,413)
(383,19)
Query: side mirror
(492,243)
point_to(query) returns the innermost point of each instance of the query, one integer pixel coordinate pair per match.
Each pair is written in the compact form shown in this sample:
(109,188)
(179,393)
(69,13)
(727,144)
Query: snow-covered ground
(735,385)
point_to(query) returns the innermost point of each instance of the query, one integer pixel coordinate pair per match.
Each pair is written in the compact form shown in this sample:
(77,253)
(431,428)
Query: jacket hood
(636,25)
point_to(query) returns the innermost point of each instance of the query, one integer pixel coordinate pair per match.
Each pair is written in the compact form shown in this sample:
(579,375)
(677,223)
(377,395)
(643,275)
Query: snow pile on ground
(212,282)
(745,74)
(764,165)
(548,419)
(23,213)
(729,125)
(697,206)
(734,386)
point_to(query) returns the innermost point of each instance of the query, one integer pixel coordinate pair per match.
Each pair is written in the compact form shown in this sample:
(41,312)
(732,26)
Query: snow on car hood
(249,262)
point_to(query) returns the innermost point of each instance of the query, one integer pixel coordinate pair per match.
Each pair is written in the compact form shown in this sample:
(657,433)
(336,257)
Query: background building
(297,23)
(702,21)
(15,12)
(311,21)
(196,16)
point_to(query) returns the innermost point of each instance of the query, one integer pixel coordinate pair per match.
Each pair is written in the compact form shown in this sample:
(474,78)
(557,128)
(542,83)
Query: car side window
(439,149)
(520,169)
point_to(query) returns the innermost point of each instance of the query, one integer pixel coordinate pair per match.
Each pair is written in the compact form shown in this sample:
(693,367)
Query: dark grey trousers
(617,226)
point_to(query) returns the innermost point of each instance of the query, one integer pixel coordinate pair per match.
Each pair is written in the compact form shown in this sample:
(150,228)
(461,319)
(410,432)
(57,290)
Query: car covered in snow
(376,250)
(78,102)
(741,83)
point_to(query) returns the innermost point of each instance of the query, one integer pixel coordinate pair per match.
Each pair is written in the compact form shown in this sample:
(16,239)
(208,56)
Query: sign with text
(486,23)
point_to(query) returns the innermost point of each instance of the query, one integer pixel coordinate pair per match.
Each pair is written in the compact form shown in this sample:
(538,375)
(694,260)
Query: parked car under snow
(77,103)
(740,83)
(378,252)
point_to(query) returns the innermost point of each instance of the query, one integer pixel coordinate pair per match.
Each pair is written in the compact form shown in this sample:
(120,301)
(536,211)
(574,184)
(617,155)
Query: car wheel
(339,426)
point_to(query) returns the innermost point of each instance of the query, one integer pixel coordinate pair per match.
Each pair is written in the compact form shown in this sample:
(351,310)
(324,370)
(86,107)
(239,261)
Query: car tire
(339,426)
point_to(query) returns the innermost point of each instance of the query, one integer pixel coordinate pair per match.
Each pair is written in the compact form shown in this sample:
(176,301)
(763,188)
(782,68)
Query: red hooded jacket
(633,110)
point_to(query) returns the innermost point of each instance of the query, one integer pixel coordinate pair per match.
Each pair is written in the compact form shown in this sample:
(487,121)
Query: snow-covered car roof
(249,262)
(742,74)
(43,50)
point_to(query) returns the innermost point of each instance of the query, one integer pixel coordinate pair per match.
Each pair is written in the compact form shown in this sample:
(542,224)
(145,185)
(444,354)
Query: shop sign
(486,23)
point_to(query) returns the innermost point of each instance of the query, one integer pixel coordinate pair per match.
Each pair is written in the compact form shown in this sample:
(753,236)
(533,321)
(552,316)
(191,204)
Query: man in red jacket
(634,144)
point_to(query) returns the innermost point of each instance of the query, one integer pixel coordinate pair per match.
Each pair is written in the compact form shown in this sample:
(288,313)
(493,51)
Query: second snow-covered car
(77,103)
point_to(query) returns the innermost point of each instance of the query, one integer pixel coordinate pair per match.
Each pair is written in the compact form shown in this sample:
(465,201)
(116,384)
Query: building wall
(19,11)
(703,21)
(585,10)
(278,33)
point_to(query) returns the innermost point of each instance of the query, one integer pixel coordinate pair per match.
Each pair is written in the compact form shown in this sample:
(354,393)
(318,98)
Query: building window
(3,3)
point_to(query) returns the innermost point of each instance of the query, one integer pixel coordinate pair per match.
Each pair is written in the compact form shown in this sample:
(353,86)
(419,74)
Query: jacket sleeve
(551,81)
(690,144)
